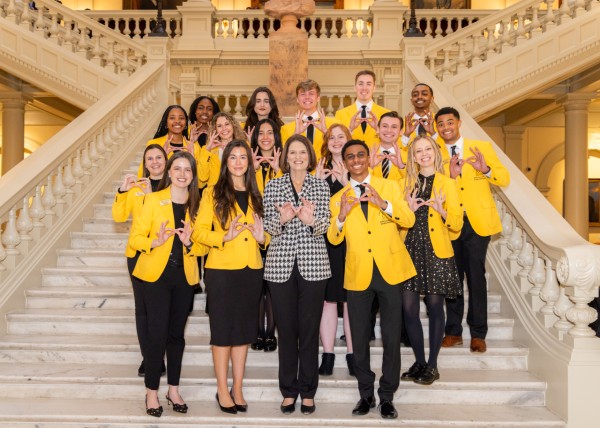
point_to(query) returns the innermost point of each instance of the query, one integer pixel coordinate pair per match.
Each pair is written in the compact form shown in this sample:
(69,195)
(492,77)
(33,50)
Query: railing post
(159,50)
(197,25)
(388,18)
(413,49)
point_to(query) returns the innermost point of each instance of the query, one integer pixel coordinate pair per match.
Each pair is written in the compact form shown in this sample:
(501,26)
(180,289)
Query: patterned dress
(434,275)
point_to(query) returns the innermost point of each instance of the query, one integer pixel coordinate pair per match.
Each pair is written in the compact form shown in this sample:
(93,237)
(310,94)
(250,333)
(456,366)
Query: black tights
(266,308)
(435,309)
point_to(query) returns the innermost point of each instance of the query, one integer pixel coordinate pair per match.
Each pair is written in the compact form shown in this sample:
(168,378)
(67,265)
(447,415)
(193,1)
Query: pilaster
(197,24)
(513,144)
(388,18)
(13,128)
(159,49)
(413,49)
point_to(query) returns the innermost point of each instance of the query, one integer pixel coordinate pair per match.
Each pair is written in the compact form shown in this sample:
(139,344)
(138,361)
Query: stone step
(116,277)
(116,382)
(103,211)
(104,225)
(84,258)
(124,349)
(108,241)
(116,321)
(128,413)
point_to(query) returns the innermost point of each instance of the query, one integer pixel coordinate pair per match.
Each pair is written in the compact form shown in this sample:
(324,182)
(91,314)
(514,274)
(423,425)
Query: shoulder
(276,183)
(377,109)
(160,141)
(351,109)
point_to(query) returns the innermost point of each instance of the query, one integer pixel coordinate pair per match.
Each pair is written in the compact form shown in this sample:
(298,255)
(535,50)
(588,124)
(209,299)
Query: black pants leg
(167,302)
(141,325)
(297,307)
(470,251)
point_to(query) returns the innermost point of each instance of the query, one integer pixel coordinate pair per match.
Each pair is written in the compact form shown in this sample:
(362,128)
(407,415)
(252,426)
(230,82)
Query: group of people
(367,210)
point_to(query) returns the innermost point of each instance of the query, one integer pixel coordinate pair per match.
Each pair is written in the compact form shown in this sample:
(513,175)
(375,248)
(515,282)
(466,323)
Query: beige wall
(94,4)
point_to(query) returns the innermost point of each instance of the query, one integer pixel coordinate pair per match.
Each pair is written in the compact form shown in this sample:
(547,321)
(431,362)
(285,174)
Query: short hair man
(474,165)
(420,120)
(386,157)
(362,116)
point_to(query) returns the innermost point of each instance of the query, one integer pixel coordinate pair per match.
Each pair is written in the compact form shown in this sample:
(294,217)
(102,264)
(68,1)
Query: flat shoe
(288,409)
(307,410)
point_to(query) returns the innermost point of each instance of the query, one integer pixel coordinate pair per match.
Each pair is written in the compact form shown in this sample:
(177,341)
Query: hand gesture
(373,197)
(144,184)
(375,157)
(306,212)
(339,172)
(321,124)
(355,121)
(184,233)
(162,235)
(188,145)
(478,161)
(235,228)
(396,157)
(347,202)
(437,202)
(274,161)
(427,123)
(410,124)
(414,203)
(257,229)
(256,159)
(301,125)
(456,165)
(194,132)
(213,141)
(372,121)
(322,172)
(167,146)
(128,182)
(286,212)
(249,133)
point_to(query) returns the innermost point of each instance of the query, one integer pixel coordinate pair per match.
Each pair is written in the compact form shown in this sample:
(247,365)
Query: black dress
(335,291)
(434,275)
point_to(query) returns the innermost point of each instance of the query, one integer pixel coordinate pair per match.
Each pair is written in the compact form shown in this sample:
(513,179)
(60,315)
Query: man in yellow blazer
(474,165)
(367,213)
(362,116)
(420,121)
(310,120)
(387,160)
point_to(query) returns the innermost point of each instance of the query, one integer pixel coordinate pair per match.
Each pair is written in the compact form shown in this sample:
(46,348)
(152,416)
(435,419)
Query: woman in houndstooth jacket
(297,268)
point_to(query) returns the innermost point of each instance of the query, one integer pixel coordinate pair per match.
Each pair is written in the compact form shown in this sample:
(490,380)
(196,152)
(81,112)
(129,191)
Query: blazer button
(369,232)
(245,239)
(430,215)
(369,250)
(432,229)
(462,188)
(245,222)
(461,205)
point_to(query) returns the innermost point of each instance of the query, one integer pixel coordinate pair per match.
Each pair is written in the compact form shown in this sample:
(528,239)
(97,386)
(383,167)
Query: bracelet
(189,246)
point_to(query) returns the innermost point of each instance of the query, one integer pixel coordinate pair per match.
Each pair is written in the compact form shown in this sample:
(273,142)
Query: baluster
(97,50)
(54,29)
(476,53)
(37,213)
(67,38)
(432,64)
(262,23)
(461,60)
(438,29)
(365,28)
(504,35)
(579,8)
(178,30)
(447,67)
(220,31)
(12,11)
(26,18)
(313,28)
(110,58)
(525,258)
(449,29)
(329,110)
(506,226)
(24,226)
(137,29)
(520,31)
(83,44)
(238,105)
(230,32)
(11,237)
(562,305)
(59,190)
(94,156)
(549,19)
(68,180)
(2,258)
(582,315)
(564,12)
(86,162)
(515,243)
(535,27)
(428,30)
(537,274)
(77,169)
(490,48)
(549,292)
(226,107)
(100,144)
(354,31)
(40,25)
(48,199)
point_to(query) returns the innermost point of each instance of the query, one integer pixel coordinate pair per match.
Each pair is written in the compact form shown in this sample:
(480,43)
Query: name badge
(165,202)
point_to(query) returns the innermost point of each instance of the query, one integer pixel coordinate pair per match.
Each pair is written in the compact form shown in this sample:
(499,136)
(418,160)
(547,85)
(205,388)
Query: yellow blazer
(474,188)
(439,230)
(210,167)
(152,261)
(396,173)
(232,255)
(262,183)
(378,240)
(288,129)
(344,116)
(161,142)
(127,203)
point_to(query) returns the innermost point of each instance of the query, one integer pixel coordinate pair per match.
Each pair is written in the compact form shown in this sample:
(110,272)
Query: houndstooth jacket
(295,240)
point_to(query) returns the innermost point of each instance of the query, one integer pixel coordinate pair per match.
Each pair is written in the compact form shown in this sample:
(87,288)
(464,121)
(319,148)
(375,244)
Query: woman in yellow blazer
(168,268)
(438,212)
(230,223)
(129,201)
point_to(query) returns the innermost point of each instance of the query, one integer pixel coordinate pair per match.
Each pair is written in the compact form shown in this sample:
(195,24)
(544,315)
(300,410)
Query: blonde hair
(413,168)
(238,133)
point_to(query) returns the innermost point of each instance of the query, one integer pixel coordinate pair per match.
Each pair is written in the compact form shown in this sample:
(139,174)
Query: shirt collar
(355,183)
(359,105)
(460,143)
(314,115)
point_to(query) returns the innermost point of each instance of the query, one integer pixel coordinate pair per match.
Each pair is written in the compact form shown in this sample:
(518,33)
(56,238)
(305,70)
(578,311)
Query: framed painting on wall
(443,4)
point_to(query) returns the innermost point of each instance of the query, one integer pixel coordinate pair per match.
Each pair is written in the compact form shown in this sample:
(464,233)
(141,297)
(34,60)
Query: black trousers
(297,307)
(167,305)
(470,251)
(390,314)
(137,285)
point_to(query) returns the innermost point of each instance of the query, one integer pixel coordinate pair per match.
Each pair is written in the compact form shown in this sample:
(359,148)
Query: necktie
(364,205)
(310,131)
(385,165)
(453,149)
(363,115)
(421,130)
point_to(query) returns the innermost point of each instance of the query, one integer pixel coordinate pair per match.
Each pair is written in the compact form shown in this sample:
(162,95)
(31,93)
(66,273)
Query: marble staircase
(69,358)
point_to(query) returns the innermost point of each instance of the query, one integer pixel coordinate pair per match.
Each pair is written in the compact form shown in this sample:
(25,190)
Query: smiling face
(308,100)
(337,139)
(448,128)
(204,111)
(155,163)
(298,157)
(364,87)
(224,128)
(389,130)
(421,98)
(237,162)
(356,159)
(262,106)
(424,153)
(176,121)
(181,173)
(266,138)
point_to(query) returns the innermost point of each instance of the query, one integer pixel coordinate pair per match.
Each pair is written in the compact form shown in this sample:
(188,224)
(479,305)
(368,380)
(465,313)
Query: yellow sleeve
(401,212)
(120,208)
(139,238)
(203,232)
(454,210)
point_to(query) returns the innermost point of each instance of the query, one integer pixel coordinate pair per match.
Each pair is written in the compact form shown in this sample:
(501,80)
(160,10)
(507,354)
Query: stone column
(513,144)
(13,129)
(576,160)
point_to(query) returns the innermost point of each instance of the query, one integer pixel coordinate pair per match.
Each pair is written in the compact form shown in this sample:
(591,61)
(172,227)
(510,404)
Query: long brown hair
(224,191)
(325,153)
(193,201)
(413,169)
(146,150)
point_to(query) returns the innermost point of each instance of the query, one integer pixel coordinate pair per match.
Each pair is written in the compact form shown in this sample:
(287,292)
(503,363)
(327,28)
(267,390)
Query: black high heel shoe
(239,407)
(179,408)
(156,412)
(231,410)
(270,344)
(288,409)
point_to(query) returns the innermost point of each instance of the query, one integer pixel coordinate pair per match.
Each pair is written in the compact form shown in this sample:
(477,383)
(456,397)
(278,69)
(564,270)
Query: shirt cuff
(405,140)
(388,210)
(339,224)
(489,173)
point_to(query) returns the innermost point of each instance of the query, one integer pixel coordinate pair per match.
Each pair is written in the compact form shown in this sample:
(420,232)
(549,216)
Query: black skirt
(233,296)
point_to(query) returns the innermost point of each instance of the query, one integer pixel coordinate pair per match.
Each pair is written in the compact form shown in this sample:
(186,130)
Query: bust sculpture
(297,8)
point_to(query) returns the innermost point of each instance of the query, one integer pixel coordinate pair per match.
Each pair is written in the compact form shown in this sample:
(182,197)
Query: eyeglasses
(359,155)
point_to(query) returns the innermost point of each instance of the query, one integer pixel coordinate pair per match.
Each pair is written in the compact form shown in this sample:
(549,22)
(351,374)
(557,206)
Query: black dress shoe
(239,407)
(363,406)
(307,410)
(350,362)
(288,409)
(270,344)
(259,345)
(231,410)
(327,361)
(427,376)
(414,371)
(387,410)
